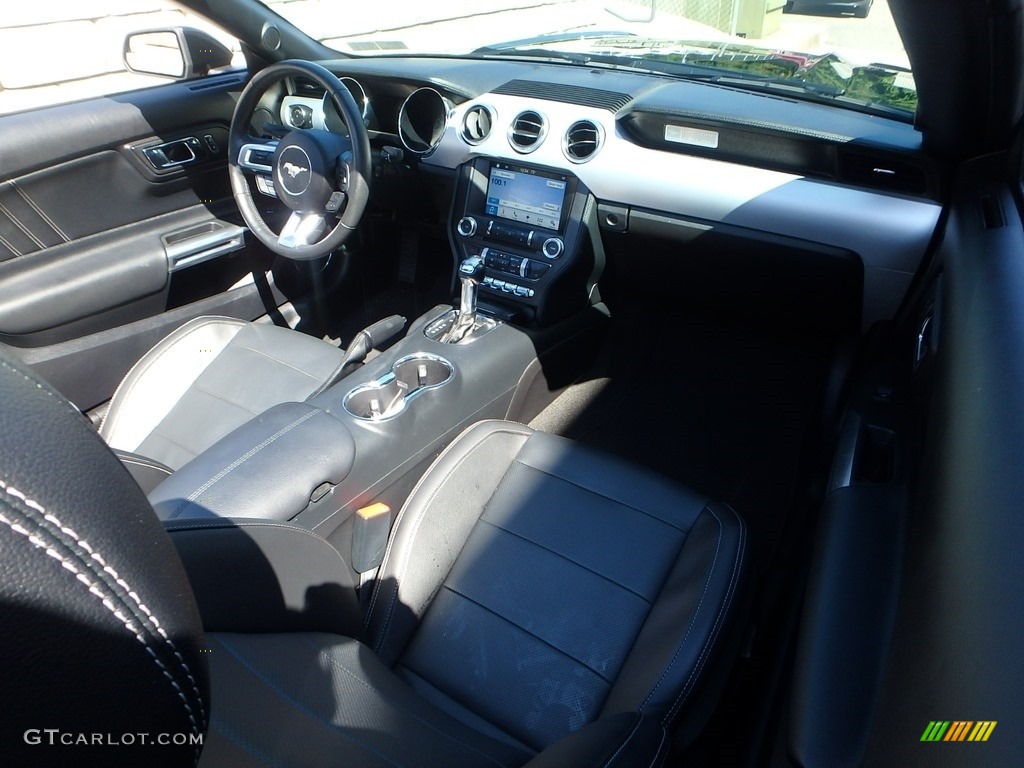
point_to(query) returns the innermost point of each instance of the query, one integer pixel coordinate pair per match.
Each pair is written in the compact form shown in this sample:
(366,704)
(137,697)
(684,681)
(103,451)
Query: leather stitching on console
(240,461)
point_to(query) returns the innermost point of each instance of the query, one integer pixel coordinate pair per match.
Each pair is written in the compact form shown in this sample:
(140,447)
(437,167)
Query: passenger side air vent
(882,172)
(527,131)
(582,141)
(477,124)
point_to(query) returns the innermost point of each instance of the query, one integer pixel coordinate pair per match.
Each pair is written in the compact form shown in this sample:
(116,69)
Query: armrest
(267,468)
(264,576)
(614,741)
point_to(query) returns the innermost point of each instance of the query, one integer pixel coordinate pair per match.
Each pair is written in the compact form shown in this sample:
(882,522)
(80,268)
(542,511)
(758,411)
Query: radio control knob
(552,247)
(466,226)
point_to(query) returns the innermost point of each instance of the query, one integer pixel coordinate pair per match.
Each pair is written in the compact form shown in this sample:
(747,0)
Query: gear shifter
(471,272)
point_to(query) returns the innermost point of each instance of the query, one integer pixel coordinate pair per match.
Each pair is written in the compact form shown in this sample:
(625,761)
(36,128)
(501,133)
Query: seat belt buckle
(370,531)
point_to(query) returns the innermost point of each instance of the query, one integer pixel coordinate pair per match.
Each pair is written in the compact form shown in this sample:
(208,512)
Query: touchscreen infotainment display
(525,195)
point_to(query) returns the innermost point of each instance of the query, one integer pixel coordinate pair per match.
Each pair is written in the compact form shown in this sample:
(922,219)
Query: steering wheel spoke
(301,229)
(257,156)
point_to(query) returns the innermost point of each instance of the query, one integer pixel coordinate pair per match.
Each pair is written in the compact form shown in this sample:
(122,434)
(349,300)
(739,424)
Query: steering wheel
(321,176)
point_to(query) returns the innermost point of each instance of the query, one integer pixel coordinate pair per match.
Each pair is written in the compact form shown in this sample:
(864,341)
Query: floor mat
(723,410)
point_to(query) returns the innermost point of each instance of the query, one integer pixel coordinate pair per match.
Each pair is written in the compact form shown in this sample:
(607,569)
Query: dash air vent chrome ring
(477,123)
(582,141)
(527,131)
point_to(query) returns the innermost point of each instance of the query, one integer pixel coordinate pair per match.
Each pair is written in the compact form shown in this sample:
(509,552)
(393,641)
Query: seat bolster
(261,576)
(434,524)
(162,376)
(625,740)
(681,633)
(148,473)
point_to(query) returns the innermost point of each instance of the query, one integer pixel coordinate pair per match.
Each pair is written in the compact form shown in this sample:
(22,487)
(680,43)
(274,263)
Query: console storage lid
(272,467)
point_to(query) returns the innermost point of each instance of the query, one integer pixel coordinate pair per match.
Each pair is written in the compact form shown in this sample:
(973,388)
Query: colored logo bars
(958,730)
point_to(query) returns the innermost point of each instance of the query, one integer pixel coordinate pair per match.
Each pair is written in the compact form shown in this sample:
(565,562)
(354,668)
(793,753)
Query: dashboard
(545,153)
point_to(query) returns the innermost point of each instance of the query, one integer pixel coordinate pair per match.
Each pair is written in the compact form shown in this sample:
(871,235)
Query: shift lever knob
(472,269)
(471,272)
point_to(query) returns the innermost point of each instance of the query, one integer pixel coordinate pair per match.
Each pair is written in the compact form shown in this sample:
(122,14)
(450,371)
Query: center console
(528,254)
(532,228)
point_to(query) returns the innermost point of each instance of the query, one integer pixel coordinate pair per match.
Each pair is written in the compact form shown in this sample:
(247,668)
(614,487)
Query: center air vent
(582,141)
(527,131)
(476,125)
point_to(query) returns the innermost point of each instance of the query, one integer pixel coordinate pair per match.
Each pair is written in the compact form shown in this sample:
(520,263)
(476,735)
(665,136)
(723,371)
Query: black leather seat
(202,381)
(538,604)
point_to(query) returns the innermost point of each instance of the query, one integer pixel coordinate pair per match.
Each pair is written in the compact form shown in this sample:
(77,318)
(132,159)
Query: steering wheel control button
(466,226)
(266,186)
(335,202)
(552,247)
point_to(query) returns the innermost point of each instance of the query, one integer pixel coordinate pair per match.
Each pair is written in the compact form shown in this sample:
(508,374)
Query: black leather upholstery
(266,468)
(539,605)
(537,599)
(577,586)
(100,634)
(207,378)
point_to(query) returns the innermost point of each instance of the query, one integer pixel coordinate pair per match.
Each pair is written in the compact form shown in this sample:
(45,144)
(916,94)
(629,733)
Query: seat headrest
(100,630)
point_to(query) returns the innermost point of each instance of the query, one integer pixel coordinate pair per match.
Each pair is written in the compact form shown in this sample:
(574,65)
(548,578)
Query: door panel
(106,205)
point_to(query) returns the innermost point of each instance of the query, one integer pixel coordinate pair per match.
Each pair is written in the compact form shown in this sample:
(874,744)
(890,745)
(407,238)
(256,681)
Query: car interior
(413,410)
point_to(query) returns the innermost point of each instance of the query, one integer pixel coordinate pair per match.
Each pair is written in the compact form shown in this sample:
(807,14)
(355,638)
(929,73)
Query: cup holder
(386,397)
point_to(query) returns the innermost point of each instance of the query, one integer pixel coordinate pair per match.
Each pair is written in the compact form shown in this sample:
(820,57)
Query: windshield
(847,52)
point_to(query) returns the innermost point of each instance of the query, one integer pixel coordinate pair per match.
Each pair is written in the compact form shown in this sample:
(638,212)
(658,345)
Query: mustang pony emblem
(293,170)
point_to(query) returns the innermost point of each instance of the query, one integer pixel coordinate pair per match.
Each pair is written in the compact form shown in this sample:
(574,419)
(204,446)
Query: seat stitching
(38,385)
(579,565)
(599,494)
(297,704)
(422,515)
(622,746)
(528,632)
(94,589)
(693,619)
(723,611)
(657,752)
(144,363)
(224,399)
(362,682)
(307,374)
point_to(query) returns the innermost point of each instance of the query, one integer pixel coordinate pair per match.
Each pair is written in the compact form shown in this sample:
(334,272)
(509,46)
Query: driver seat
(204,380)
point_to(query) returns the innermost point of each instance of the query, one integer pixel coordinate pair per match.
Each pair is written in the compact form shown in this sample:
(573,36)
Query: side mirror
(176,52)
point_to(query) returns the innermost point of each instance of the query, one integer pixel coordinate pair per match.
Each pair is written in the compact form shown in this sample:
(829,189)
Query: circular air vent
(527,131)
(477,124)
(582,141)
